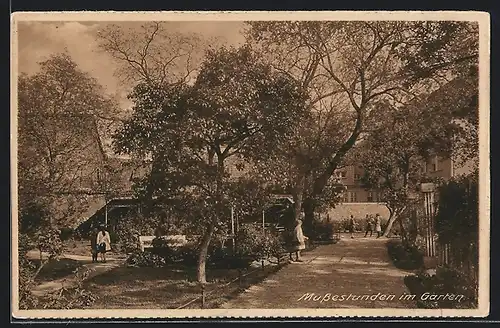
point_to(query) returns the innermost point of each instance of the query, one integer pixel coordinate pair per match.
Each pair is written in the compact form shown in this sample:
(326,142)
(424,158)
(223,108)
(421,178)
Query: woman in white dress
(103,243)
(298,241)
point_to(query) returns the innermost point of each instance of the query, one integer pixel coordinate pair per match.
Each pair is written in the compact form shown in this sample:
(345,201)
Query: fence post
(202,296)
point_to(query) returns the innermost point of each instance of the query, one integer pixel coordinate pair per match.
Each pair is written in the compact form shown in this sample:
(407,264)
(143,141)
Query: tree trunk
(309,215)
(404,235)
(388,228)
(203,252)
(298,194)
(322,180)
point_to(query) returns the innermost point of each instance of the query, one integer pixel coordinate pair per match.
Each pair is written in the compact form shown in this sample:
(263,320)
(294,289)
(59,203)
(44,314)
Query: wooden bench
(171,240)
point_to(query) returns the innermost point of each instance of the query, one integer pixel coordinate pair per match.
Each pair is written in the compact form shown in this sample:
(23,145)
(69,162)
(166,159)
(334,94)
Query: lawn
(77,247)
(56,269)
(168,287)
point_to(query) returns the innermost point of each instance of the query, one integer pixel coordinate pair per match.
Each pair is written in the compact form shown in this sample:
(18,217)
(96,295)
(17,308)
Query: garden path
(359,266)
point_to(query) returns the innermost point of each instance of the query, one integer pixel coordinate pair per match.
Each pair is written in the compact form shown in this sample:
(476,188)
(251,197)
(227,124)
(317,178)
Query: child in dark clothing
(93,245)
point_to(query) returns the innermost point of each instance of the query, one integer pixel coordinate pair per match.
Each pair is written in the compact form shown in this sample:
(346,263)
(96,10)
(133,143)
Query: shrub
(76,297)
(445,281)
(273,246)
(218,254)
(255,243)
(46,239)
(404,256)
(161,248)
(66,233)
(323,230)
(359,224)
(127,241)
(113,237)
(252,243)
(249,241)
(145,259)
(457,219)
(187,254)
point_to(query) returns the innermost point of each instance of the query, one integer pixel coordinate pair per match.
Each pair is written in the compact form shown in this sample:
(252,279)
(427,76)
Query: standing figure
(378,225)
(93,244)
(369,225)
(103,243)
(352,226)
(298,241)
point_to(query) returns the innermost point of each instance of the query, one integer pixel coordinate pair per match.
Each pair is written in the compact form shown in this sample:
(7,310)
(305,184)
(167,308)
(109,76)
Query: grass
(56,269)
(168,287)
(77,247)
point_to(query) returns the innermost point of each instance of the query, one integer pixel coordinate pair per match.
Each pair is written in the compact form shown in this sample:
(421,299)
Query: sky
(38,40)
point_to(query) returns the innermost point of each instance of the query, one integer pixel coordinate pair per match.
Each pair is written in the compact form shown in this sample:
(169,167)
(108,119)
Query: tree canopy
(238,106)
(350,67)
(61,114)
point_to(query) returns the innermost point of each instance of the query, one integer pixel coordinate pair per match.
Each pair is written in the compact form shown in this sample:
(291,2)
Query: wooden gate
(428,190)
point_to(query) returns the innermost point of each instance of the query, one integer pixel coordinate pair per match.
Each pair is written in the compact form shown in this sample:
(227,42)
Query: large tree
(238,106)
(62,115)
(392,159)
(152,53)
(62,112)
(443,124)
(362,63)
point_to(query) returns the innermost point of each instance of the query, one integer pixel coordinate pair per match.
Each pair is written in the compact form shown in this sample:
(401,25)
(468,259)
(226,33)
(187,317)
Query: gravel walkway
(354,273)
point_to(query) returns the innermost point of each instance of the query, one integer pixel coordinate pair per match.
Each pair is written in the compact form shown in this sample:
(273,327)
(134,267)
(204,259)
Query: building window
(369,197)
(378,197)
(356,176)
(341,174)
(352,197)
(435,165)
(98,175)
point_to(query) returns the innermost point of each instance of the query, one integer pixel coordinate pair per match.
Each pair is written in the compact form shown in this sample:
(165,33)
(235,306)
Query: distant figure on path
(103,243)
(352,226)
(298,241)
(93,244)
(378,225)
(369,225)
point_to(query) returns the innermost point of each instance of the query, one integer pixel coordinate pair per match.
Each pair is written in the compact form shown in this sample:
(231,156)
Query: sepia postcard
(250,164)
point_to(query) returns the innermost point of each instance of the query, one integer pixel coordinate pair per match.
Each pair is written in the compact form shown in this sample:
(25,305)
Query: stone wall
(359,210)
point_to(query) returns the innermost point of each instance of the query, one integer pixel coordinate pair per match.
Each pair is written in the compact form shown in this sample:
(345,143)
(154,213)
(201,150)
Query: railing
(204,293)
(453,257)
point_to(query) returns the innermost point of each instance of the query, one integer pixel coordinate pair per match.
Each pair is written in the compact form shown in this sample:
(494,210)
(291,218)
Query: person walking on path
(378,225)
(103,243)
(93,244)
(352,225)
(298,241)
(369,225)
